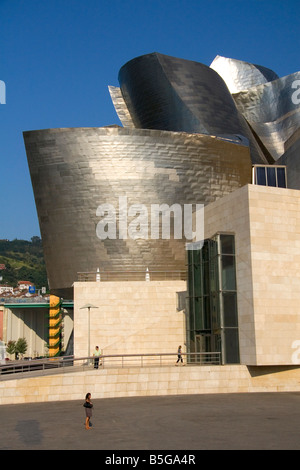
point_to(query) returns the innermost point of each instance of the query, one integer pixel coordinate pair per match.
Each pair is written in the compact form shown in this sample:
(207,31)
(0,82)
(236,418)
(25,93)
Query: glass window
(228,273)
(230,309)
(261,175)
(227,244)
(271,176)
(199,321)
(232,354)
(207,314)
(281,179)
(213,314)
(215,311)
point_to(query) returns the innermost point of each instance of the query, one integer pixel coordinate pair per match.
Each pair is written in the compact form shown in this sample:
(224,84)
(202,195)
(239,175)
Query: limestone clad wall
(136,317)
(275,254)
(148,381)
(231,214)
(266,224)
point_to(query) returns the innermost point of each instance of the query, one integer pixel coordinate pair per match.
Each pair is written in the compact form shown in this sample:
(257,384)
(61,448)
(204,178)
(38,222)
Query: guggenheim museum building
(181,224)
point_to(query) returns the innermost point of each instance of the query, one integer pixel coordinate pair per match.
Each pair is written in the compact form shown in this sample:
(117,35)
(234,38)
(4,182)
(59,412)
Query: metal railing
(20,367)
(157,359)
(17,369)
(134,275)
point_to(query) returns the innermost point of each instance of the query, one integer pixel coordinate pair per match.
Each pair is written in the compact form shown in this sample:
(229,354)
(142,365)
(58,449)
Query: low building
(28,318)
(6,289)
(24,285)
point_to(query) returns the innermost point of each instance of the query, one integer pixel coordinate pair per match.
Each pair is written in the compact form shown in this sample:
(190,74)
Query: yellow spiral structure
(54,326)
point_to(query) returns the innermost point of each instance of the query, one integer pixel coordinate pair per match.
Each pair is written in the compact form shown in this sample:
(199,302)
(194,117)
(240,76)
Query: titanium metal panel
(120,106)
(73,171)
(272,111)
(172,94)
(240,75)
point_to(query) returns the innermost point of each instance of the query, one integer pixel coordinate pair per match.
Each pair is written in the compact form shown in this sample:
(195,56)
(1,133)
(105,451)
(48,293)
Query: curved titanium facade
(120,106)
(269,104)
(172,94)
(73,171)
(273,111)
(240,75)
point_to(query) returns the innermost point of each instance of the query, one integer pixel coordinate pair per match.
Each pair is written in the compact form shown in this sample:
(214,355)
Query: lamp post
(89,306)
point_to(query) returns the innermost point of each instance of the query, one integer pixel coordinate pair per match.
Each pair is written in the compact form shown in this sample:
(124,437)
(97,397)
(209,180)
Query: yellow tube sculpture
(54,326)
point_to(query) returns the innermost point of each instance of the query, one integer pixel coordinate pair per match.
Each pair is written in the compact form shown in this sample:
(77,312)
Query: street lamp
(89,306)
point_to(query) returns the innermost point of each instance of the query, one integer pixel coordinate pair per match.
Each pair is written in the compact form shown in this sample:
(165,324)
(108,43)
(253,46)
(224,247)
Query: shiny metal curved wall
(167,93)
(120,106)
(269,104)
(240,75)
(73,171)
(273,111)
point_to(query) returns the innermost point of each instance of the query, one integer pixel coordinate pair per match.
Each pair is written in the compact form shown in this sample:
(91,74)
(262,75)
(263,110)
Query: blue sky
(57,58)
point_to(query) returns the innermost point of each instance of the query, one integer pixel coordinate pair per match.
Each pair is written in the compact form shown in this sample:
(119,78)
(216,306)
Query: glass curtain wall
(266,175)
(228,299)
(212,322)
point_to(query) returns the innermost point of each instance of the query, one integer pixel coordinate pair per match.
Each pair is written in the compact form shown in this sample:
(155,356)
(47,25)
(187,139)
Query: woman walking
(179,355)
(88,410)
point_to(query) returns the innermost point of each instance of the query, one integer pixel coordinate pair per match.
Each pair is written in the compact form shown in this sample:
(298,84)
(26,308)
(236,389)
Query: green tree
(17,347)
(11,347)
(21,346)
(23,260)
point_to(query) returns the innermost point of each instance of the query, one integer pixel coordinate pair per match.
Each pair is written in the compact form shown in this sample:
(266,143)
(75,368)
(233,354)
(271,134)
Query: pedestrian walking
(97,354)
(179,355)
(88,405)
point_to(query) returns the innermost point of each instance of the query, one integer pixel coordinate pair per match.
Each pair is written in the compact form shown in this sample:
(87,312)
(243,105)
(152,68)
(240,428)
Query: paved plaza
(267,421)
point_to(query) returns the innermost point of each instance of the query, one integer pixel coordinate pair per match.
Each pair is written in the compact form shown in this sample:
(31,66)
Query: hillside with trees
(23,260)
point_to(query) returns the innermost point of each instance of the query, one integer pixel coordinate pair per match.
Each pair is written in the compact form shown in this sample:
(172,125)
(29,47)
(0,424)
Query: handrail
(68,363)
(131,275)
(29,365)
